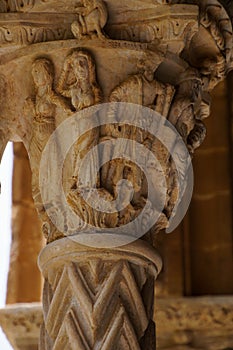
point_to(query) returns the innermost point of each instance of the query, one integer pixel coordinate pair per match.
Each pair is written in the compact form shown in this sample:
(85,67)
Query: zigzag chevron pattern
(97,306)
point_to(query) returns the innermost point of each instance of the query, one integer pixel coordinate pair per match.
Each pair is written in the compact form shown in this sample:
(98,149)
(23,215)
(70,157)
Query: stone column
(24,278)
(163,57)
(98,298)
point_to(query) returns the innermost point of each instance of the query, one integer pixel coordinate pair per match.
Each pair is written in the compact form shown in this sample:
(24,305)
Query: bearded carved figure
(109,98)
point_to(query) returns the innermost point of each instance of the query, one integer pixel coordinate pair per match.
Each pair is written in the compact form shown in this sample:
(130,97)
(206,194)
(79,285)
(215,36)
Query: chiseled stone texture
(58,59)
(182,324)
(21,324)
(195,323)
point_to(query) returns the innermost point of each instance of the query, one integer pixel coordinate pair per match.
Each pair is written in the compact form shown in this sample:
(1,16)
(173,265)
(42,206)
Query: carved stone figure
(43,107)
(87,211)
(141,89)
(78,82)
(100,298)
(191,105)
(45,103)
(92,17)
(185,104)
(198,134)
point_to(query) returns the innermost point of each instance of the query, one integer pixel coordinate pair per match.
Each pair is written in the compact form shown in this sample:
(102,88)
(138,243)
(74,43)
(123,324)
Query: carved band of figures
(77,88)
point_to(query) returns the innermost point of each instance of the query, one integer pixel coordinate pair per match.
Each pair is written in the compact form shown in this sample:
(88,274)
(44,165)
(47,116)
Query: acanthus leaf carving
(16,5)
(149,27)
(31,28)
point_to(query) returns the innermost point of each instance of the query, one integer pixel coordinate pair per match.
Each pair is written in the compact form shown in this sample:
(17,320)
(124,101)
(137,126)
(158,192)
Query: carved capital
(59,60)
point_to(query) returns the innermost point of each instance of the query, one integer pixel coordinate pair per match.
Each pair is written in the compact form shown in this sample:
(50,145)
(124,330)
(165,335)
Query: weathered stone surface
(194,323)
(58,59)
(98,298)
(21,324)
(48,94)
(182,323)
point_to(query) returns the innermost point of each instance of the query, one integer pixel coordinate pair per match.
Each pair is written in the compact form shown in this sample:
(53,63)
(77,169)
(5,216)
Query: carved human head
(82,66)
(42,72)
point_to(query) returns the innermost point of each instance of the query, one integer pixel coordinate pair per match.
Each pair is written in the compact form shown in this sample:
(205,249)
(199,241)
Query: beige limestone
(21,324)
(182,323)
(163,55)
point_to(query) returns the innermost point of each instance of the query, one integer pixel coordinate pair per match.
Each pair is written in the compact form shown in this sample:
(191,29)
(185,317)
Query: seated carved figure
(92,17)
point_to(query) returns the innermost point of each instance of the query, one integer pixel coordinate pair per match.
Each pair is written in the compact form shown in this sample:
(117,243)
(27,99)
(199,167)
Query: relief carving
(80,284)
(30,28)
(16,5)
(190,106)
(168,25)
(141,89)
(215,19)
(129,321)
(44,107)
(106,302)
(154,31)
(27,35)
(92,17)
(45,104)
(78,82)
(188,95)
(144,90)
(196,136)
